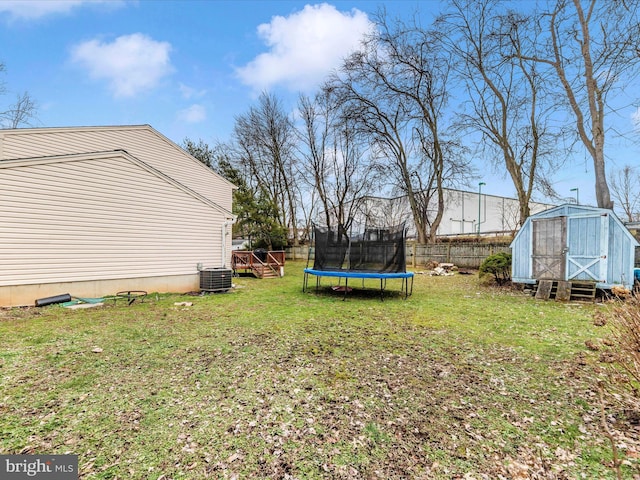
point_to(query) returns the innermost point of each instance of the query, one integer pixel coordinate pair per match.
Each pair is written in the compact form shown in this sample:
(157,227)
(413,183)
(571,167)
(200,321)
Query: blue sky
(188,68)
(185,67)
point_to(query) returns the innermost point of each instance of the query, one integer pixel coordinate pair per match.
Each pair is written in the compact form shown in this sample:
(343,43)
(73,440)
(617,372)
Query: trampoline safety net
(380,250)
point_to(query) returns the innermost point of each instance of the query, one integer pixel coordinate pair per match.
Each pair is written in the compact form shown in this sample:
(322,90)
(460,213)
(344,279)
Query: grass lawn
(458,381)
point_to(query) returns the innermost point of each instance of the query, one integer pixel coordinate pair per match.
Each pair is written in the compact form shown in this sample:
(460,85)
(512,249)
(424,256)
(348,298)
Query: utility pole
(479,204)
(577,190)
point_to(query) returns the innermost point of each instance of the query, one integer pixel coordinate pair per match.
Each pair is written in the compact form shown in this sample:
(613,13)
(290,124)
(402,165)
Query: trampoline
(407,279)
(375,254)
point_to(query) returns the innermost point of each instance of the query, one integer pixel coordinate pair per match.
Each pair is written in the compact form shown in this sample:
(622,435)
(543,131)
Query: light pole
(479,203)
(577,190)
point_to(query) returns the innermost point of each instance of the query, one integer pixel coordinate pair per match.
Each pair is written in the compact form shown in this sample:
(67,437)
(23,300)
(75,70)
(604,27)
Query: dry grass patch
(270,382)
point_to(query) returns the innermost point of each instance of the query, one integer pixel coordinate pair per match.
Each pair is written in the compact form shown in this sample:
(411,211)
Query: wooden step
(583,290)
(543,289)
(562,290)
(264,272)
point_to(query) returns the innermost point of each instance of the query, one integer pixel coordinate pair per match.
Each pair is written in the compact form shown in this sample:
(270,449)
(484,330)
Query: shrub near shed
(498,265)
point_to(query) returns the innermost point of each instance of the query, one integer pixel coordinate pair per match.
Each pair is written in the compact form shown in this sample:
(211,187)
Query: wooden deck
(261,264)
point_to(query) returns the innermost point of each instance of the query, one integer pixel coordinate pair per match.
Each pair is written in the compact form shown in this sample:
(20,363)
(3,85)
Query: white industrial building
(465,213)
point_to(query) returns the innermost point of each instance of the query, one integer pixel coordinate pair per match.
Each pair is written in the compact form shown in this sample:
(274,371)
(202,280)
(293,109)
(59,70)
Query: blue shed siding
(521,255)
(584,248)
(599,247)
(622,253)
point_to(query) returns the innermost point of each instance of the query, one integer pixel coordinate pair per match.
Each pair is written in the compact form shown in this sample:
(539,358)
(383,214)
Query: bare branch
(507,94)
(21,112)
(625,190)
(266,139)
(593,52)
(396,90)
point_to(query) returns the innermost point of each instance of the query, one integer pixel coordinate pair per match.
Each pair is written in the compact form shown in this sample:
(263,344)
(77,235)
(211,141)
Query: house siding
(140,141)
(99,219)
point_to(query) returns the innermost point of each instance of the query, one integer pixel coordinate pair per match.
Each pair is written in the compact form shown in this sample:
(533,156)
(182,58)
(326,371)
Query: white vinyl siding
(140,141)
(102,218)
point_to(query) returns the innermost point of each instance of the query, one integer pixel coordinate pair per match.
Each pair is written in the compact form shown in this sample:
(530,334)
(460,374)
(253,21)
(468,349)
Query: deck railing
(262,263)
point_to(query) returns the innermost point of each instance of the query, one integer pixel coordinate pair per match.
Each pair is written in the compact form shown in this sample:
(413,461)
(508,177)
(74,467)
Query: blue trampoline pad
(356,274)
(347,274)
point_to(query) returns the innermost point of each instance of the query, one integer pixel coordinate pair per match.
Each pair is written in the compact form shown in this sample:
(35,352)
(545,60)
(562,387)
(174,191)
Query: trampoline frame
(347,274)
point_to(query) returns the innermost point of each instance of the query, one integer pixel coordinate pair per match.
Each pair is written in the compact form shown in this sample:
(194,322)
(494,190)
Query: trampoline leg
(407,292)
(346,288)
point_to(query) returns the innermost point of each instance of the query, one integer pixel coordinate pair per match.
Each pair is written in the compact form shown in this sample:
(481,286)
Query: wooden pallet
(562,290)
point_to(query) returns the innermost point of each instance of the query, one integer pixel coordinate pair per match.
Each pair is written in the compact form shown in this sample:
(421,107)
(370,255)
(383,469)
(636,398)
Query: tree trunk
(603,196)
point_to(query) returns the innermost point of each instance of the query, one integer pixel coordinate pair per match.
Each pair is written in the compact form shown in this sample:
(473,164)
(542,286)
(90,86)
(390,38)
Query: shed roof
(573,210)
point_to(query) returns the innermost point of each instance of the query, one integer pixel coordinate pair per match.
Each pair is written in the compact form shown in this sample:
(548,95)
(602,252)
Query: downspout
(224,233)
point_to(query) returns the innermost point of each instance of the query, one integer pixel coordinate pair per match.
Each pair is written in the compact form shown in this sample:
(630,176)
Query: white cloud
(635,119)
(304,47)
(194,114)
(188,92)
(131,64)
(34,9)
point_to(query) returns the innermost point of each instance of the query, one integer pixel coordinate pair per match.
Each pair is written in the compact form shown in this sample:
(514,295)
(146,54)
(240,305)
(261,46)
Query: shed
(574,243)
(91,211)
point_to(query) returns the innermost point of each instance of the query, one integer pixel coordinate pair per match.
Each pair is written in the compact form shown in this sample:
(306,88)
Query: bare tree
(396,89)
(257,216)
(266,138)
(593,49)
(510,215)
(505,92)
(393,210)
(19,113)
(625,190)
(336,166)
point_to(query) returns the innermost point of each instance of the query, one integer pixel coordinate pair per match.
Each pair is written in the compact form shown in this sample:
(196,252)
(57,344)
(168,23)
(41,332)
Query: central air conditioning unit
(215,279)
